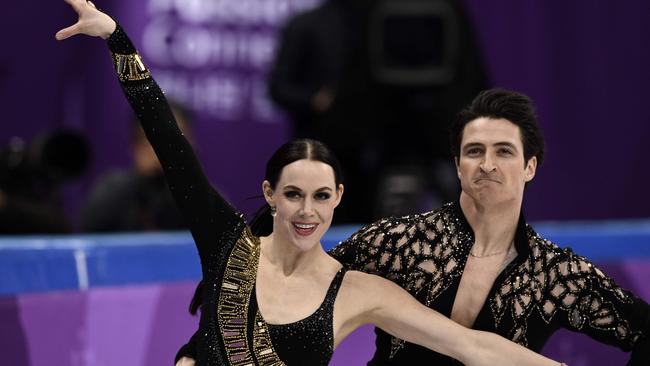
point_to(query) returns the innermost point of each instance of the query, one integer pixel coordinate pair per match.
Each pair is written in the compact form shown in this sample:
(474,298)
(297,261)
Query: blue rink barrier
(49,263)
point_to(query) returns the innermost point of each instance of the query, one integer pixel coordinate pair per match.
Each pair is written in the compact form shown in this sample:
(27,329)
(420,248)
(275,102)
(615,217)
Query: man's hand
(92,22)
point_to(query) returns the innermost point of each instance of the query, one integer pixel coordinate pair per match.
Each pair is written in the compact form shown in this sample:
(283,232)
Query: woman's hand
(92,22)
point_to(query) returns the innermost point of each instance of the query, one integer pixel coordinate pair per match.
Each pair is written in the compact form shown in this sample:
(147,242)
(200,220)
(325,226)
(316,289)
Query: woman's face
(304,198)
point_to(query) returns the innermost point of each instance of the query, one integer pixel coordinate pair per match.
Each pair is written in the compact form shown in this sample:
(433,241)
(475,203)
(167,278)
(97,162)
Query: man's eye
(473,151)
(505,152)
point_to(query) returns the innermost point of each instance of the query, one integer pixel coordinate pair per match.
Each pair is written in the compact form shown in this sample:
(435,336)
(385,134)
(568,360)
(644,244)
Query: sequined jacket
(231,330)
(543,289)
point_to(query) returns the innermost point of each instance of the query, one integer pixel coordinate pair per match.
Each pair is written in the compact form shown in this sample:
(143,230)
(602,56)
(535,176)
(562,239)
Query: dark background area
(584,63)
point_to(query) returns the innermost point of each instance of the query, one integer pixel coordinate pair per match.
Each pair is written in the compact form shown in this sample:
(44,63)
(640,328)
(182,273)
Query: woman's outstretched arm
(206,213)
(394,310)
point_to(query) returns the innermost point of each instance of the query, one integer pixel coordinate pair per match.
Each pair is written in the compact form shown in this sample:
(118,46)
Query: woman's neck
(279,253)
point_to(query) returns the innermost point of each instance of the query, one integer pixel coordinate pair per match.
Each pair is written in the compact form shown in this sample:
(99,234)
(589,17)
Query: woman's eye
(322,196)
(292,194)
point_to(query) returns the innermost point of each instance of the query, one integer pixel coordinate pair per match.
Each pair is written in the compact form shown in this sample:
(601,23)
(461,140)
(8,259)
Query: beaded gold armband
(130,67)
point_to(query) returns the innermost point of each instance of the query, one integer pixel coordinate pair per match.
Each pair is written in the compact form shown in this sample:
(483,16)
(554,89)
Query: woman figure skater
(278,299)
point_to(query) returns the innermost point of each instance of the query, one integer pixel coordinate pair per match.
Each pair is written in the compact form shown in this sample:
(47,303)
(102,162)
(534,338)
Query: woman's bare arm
(394,310)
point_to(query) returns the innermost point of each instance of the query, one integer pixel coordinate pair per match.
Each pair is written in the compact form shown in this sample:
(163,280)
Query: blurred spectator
(31,176)
(137,199)
(425,66)
(379,82)
(315,79)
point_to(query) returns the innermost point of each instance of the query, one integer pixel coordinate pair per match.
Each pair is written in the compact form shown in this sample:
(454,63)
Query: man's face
(491,166)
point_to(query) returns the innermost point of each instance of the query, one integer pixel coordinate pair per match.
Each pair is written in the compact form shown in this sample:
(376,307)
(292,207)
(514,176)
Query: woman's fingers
(67,32)
(73,29)
(92,22)
(80,6)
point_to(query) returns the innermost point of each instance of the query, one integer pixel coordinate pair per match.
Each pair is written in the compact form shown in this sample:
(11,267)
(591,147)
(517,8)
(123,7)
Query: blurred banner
(213,55)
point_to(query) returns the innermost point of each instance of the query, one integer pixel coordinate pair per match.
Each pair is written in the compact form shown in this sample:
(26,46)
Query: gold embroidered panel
(233,308)
(129,67)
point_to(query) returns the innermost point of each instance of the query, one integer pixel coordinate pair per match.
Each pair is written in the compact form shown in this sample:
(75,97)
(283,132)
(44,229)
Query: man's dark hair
(502,104)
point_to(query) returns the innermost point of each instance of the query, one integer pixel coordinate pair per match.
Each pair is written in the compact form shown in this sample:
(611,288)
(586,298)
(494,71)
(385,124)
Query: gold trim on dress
(262,344)
(130,67)
(232,311)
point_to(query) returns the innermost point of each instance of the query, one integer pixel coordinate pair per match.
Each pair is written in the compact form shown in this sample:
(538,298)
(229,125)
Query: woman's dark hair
(262,222)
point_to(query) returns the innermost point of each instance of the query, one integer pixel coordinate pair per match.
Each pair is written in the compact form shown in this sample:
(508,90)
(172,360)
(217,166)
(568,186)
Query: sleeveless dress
(232,330)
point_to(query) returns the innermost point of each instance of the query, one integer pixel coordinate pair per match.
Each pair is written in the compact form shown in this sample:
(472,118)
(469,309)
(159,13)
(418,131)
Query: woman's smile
(304,228)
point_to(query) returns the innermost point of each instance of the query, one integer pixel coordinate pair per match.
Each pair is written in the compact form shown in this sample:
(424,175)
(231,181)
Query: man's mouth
(304,229)
(486,180)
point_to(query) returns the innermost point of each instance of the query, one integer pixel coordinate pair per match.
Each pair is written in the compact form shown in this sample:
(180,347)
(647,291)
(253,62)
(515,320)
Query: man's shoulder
(552,255)
(409,225)
(423,220)
(540,245)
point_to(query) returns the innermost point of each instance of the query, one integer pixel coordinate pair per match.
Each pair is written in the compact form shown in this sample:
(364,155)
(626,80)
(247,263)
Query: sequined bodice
(543,289)
(309,341)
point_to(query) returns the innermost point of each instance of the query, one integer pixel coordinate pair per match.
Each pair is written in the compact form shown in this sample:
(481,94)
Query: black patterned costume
(232,330)
(543,289)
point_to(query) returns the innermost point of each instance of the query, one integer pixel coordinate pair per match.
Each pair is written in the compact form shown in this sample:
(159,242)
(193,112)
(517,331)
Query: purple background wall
(583,62)
(585,65)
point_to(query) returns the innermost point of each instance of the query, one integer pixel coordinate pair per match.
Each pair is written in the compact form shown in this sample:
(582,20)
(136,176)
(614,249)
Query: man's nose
(487,165)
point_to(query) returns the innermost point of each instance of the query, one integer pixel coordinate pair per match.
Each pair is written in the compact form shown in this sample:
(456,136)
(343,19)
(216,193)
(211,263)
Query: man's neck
(494,225)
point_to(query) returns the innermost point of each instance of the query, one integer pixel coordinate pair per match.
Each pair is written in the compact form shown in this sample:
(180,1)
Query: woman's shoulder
(365,283)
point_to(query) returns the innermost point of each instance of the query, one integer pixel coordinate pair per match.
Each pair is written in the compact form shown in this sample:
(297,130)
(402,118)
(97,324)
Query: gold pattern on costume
(558,281)
(262,344)
(130,67)
(426,254)
(236,291)
(402,250)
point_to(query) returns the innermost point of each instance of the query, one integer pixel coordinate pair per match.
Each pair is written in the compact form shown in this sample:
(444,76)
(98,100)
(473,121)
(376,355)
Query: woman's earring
(273,211)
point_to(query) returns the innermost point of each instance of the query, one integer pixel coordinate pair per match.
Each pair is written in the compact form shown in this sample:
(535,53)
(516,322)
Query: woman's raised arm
(205,212)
